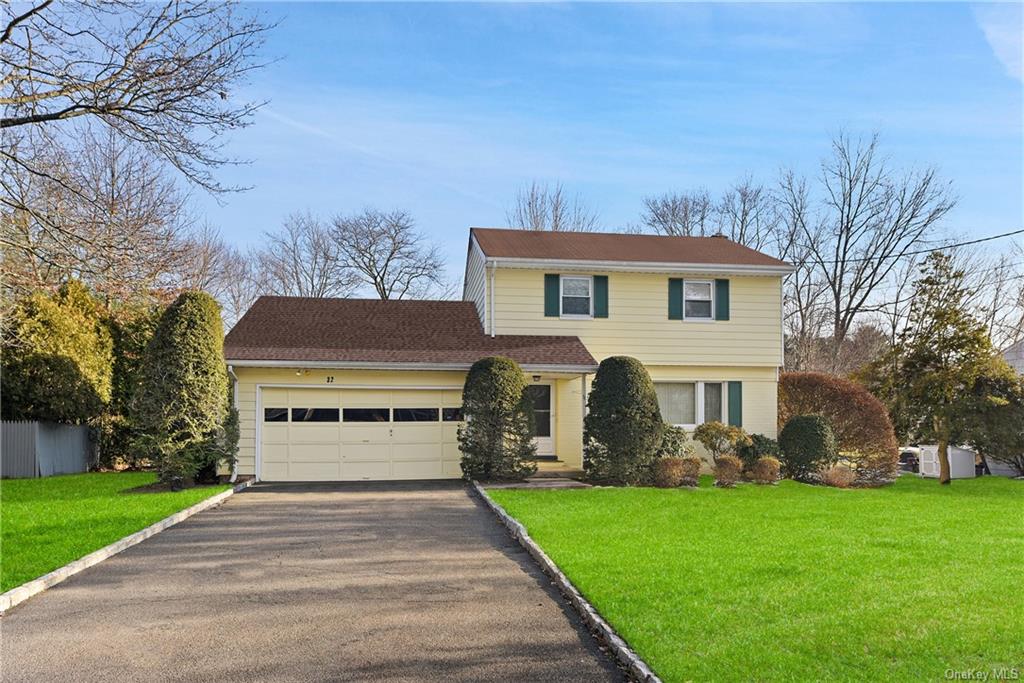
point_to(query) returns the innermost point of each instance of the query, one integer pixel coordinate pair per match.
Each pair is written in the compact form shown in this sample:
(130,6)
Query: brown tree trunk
(944,460)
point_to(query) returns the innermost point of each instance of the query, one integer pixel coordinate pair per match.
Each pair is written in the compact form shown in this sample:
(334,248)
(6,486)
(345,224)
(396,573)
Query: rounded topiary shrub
(808,446)
(181,402)
(728,469)
(668,472)
(497,438)
(838,476)
(860,422)
(765,470)
(622,431)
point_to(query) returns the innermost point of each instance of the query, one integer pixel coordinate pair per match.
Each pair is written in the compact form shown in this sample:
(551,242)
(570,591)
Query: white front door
(542,402)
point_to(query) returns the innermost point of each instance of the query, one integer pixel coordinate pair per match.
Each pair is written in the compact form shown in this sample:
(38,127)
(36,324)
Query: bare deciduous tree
(680,213)
(303,259)
(540,206)
(127,216)
(160,75)
(868,219)
(748,214)
(386,252)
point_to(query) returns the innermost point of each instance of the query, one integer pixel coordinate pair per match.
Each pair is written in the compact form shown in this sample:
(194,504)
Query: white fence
(42,449)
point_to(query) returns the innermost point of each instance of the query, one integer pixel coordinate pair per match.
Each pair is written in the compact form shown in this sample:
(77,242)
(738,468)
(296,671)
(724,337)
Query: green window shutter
(675,299)
(552,309)
(600,296)
(736,404)
(721,299)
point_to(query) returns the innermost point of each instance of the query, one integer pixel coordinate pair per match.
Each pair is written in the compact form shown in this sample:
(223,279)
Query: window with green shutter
(600,296)
(675,298)
(736,404)
(552,286)
(721,299)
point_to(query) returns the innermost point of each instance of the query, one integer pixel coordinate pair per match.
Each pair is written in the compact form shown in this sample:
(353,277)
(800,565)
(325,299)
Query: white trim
(363,365)
(711,318)
(724,269)
(552,395)
(782,327)
(374,387)
(494,268)
(561,296)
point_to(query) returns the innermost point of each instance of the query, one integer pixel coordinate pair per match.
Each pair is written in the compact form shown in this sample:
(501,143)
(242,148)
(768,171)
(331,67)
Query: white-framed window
(698,300)
(688,404)
(576,296)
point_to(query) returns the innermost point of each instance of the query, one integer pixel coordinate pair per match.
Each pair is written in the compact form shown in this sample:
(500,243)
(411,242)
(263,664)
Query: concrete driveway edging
(26,590)
(626,656)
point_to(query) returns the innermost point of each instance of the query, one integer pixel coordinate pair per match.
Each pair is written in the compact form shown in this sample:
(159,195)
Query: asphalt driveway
(310,582)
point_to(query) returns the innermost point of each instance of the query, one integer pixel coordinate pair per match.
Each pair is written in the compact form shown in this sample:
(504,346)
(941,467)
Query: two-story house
(347,389)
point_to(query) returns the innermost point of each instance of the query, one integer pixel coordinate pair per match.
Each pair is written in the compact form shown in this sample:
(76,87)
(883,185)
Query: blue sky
(446,109)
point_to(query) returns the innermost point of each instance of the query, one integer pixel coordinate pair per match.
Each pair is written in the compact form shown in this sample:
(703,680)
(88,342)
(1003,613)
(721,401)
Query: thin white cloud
(1003,26)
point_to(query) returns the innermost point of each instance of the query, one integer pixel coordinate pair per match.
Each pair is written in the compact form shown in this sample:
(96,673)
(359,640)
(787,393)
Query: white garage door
(358,434)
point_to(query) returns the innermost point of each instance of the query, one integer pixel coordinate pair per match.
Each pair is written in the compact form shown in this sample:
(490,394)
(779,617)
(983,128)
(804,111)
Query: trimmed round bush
(728,469)
(760,446)
(623,429)
(808,446)
(720,439)
(838,476)
(765,470)
(860,422)
(691,470)
(497,438)
(668,472)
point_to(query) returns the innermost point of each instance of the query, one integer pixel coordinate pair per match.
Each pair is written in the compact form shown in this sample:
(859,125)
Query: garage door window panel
(366,414)
(314,414)
(452,414)
(415,414)
(275,414)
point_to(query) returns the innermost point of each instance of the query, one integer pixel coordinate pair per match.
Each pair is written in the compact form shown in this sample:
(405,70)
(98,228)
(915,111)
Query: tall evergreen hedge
(180,405)
(57,358)
(497,438)
(622,431)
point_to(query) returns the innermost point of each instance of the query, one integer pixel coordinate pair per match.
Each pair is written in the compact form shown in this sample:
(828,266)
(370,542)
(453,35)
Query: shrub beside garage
(623,429)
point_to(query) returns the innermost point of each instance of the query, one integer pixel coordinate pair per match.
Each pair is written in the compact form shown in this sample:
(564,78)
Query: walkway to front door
(301,582)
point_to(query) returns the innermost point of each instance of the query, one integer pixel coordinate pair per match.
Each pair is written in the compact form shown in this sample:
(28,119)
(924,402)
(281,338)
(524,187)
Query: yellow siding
(760,394)
(637,324)
(249,378)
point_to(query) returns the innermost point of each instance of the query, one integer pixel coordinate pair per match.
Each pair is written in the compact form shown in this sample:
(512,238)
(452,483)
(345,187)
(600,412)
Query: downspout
(493,266)
(234,404)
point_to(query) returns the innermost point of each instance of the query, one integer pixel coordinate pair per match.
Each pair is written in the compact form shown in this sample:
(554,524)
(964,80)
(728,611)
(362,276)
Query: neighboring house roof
(1014,355)
(374,332)
(546,245)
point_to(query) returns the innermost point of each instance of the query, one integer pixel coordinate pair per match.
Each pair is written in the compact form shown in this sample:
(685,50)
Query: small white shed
(961,462)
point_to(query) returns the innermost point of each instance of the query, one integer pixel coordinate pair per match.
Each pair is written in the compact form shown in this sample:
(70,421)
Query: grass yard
(797,582)
(46,523)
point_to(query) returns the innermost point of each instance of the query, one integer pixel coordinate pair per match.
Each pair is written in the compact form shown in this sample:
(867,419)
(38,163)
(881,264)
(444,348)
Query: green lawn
(46,523)
(797,582)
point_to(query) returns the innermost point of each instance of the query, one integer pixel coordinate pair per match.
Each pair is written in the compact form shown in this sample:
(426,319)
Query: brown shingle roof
(603,246)
(373,331)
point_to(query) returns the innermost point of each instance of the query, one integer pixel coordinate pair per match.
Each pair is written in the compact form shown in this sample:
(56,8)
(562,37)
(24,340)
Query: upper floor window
(698,300)
(577,296)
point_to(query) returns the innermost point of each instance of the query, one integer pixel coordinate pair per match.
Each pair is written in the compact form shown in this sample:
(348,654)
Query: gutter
(234,403)
(642,266)
(364,365)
